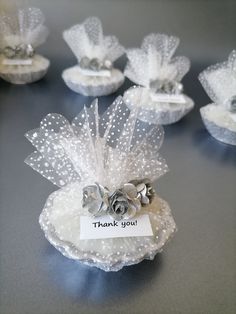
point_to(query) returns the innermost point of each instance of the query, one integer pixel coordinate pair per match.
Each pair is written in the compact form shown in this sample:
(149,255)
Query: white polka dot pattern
(60,221)
(112,149)
(154,61)
(219,81)
(24,26)
(87,40)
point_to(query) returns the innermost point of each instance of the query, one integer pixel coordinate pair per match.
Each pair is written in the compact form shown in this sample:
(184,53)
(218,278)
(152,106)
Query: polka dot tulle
(219,80)
(60,221)
(24,26)
(19,28)
(154,60)
(154,64)
(156,112)
(219,117)
(111,149)
(87,40)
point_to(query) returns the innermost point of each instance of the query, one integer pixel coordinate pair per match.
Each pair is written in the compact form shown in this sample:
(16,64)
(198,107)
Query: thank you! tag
(105,227)
(169,98)
(88,72)
(233,116)
(17,61)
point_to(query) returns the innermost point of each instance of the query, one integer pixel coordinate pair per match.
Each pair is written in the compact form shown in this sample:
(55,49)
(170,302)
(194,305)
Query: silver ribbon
(95,64)
(120,204)
(22,51)
(166,87)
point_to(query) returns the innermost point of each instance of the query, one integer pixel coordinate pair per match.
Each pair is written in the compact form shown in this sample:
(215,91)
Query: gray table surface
(196,272)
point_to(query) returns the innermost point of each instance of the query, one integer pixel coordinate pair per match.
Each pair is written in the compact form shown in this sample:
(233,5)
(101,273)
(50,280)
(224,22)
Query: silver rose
(20,51)
(123,203)
(231,104)
(95,199)
(145,191)
(84,62)
(95,64)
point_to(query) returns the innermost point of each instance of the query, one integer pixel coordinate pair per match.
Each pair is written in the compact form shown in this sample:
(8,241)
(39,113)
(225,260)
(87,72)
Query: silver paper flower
(95,199)
(232,104)
(95,64)
(21,51)
(123,203)
(145,191)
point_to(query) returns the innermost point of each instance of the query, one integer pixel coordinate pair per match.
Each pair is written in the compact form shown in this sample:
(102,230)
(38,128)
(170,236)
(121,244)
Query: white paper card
(105,73)
(105,227)
(17,61)
(169,98)
(233,115)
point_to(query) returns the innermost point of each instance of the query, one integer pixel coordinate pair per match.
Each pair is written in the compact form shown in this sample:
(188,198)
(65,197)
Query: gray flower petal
(130,190)
(145,200)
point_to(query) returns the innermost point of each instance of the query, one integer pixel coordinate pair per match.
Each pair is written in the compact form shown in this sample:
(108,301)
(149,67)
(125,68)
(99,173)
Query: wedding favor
(219,117)
(159,96)
(20,33)
(106,212)
(95,74)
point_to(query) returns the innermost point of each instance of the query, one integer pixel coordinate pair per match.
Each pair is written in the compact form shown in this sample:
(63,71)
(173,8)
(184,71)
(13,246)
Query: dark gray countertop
(196,272)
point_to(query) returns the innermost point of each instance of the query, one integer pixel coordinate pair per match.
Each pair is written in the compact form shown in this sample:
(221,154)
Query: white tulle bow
(154,61)
(219,82)
(111,149)
(23,27)
(87,40)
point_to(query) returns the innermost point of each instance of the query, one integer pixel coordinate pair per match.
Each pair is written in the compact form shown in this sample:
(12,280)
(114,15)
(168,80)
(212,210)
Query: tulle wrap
(111,149)
(219,117)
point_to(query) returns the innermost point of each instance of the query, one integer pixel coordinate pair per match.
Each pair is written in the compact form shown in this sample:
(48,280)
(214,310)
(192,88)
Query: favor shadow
(214,149)
(91,284)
